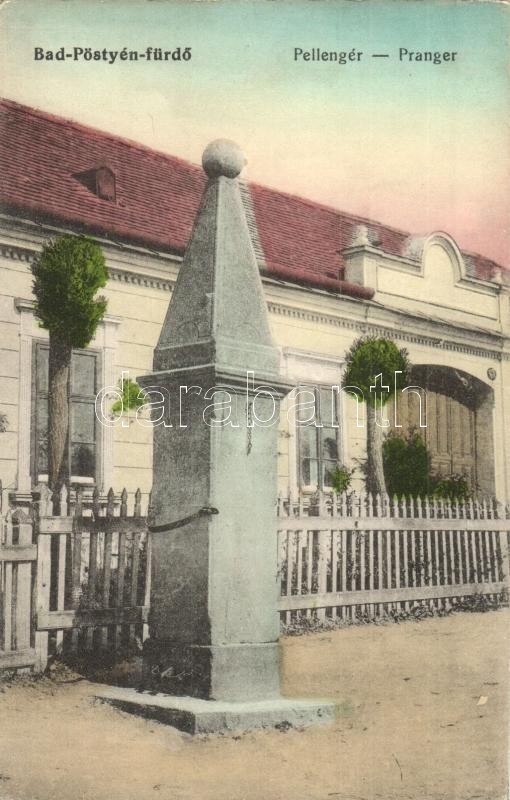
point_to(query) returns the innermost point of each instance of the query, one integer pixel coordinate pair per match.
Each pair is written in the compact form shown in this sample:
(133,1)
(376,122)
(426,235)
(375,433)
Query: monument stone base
(232,672)
(194,715)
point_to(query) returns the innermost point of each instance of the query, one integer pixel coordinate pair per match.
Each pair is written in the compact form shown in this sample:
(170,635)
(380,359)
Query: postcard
(254,400)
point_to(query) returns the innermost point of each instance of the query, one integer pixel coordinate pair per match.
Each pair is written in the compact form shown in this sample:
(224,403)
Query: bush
(406,466)
(455,487)
(67,275)
(341,478)
(407,471)
(369,357)
(131,399)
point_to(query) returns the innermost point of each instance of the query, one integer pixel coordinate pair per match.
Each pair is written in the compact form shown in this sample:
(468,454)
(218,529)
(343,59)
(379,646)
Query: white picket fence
(18,559)
(73,581)
(78,580)
(355,556)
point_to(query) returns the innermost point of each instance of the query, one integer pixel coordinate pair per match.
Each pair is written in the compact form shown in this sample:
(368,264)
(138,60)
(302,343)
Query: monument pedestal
(219,672)
(194,715)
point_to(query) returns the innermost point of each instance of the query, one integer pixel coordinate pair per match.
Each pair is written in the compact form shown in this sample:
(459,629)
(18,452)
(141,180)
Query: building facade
(329,278)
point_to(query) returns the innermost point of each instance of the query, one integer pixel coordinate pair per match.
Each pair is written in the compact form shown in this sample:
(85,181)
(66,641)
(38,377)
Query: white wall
(431,308)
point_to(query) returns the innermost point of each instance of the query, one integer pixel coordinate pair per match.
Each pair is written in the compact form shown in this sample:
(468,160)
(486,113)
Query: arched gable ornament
(449,245)
(417,248)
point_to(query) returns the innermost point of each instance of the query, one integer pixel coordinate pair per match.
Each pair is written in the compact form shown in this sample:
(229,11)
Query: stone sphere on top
(223,157)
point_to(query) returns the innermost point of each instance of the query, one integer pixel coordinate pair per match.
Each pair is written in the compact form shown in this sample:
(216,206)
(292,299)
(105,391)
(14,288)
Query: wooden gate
(449,435)
(72,582)
(92,575)
(18,555)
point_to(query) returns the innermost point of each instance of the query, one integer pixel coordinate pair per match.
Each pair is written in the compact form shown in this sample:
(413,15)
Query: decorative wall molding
(311,358)
(140,279)
(17,253)
(132,276)
(24,304)
(312,368)
(412,260)
(440,340)
(36,233)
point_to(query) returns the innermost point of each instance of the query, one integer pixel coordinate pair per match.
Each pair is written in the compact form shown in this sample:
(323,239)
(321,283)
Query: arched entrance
(458,432)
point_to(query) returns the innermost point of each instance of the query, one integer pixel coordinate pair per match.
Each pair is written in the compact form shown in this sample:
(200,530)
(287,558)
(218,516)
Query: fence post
(6,587)
(22,619)
(76,543)
(103,591)
(504,543)
(322,568)
(62,504)
(42,604)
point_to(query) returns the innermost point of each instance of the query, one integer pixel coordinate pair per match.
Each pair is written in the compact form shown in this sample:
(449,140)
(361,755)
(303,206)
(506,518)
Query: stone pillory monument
(212,660)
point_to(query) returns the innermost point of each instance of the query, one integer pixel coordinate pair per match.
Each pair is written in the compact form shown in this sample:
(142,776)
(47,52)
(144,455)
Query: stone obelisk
(212,657)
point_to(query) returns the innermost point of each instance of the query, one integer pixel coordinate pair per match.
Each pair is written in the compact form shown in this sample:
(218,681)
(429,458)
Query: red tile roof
(157,197)
(301,235)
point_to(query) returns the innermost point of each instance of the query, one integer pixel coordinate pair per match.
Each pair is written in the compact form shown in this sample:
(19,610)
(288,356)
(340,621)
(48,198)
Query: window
(317,424)
(83,382)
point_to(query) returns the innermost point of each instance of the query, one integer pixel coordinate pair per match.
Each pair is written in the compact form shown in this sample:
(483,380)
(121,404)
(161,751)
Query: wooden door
(449,433)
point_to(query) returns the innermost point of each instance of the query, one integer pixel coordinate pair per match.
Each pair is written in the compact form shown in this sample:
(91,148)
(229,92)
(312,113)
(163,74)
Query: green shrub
(67,274)
(131,399)
(407,471)
(455,487)
(341,478)
(367,360)
(406,466)
(369,357)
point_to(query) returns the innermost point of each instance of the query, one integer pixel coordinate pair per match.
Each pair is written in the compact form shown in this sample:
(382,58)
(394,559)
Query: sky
(416,145)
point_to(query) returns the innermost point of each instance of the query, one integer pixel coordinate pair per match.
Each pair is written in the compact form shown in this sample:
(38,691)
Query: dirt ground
(412,723)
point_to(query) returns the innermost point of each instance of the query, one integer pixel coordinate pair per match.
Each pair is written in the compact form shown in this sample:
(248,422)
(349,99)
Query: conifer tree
(67,275)
(375,363)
